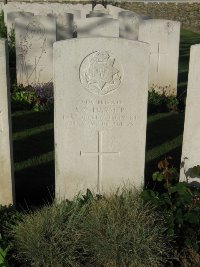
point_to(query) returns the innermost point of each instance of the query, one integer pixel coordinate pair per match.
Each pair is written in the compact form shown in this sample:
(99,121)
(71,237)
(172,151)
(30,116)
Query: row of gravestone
(101,91)
(36,34)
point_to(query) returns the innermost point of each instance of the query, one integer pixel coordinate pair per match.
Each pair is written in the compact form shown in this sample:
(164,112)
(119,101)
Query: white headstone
(85,10)
(64,26)
(76,13)
(34,49)
(163,37)
(97,14)
(97,27)
(11,16)
(77,16)
(191,137)
(129,25)
(7,9)
(101,90)
(100,9)
(6,159)
(114,11)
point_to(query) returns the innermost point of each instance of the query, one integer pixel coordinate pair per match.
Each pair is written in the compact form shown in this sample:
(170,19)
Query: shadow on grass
(33,146)
(33,150)
(22,120)
(164,138)
(182,77)
(164,129)
(35,186)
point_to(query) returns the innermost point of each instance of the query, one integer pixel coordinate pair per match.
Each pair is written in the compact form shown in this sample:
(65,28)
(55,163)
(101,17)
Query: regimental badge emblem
(100,73)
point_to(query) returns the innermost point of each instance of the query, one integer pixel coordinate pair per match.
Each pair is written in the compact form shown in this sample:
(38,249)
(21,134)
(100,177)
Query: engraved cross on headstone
(159,56)
(99,154)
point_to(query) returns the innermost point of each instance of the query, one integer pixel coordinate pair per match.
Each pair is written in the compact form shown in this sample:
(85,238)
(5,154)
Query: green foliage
(3,255)
(52,236)
(3,29)
(38,97)
(161,102)
(8,217)
(179,203)
(23,100)
(123,231)
(115,230)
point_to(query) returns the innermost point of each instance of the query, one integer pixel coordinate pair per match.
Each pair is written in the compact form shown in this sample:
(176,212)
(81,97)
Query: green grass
(115,230)
(33,141)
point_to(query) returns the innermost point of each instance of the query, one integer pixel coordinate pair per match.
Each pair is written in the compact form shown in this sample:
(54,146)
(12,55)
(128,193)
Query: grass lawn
(33,141)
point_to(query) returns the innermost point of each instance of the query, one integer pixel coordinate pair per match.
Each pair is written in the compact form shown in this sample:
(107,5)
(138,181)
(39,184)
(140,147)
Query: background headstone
(191,137)
(114,11)
(100,9)
(64,25)
(101,90)
(9,8)
(85,10)
(6,158)
(11,16)
(98,27)
(98,14)
(129,25)
(76,13)
(163,37)
(34,49)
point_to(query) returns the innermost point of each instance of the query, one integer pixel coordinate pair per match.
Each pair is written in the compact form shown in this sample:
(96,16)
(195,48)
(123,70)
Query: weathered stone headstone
(76,13)
(129,25)
(85,10)
(11,16)
(191,137)
(64,26)
(101,89)
(6,159)
(34,49)
(163,37)
(100,9)
(114,11)
(7,9)
(98,27)
(76,17)
(97,14)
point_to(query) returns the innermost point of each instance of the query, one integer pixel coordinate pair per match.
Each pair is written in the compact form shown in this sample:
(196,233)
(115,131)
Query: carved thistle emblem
(100,73)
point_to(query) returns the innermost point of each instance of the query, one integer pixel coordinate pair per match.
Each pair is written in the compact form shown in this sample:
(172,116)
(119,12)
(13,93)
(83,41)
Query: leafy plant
(180,204)
(9,216)
(172,103)
(3,28)
(38,97)
(23,99)
(3,255)
(161,102)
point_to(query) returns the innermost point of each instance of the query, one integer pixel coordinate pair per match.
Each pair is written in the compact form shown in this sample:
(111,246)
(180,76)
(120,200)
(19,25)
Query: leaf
(157,176)
(192,217)
(163,164)
(195,171)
